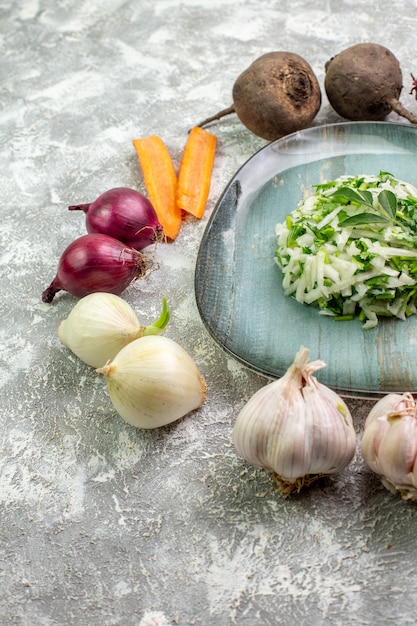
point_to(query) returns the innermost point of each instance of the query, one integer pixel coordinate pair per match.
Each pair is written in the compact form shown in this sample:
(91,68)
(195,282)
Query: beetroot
(276,95)
(364,82)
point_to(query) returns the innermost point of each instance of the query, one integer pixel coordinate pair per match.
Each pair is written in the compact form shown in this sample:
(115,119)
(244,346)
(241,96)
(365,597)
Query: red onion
(95,262)
(124,214)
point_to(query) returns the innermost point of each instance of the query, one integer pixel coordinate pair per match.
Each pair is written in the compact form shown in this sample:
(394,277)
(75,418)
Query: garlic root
(287,488)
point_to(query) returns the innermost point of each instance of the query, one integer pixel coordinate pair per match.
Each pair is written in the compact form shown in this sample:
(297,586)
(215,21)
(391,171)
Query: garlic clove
(331,453)
(153,381)
(374,433)
(101,324)
(296,427)
(402,436)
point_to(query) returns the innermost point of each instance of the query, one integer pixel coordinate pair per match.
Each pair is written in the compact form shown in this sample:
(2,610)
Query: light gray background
(102,524)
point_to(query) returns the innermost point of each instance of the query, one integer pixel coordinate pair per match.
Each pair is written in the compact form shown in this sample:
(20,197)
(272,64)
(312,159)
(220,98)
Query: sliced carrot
(194,176)
(160,180)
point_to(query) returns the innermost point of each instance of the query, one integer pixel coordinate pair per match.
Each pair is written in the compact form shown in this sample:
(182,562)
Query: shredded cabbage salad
(350,248)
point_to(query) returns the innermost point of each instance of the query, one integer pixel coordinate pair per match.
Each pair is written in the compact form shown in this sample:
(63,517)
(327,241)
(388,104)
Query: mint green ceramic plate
(238,284)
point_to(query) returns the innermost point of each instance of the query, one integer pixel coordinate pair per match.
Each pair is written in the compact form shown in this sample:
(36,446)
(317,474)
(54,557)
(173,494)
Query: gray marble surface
(102,524)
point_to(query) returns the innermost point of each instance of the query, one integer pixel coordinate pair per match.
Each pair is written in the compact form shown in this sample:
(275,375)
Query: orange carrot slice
(194,176)
(160,181)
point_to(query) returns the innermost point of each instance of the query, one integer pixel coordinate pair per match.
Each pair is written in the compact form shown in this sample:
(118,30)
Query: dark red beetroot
(96,262)
(276,95)
(124,214)
(364,82)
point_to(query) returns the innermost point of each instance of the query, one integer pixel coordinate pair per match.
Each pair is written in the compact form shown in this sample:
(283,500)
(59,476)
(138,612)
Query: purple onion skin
(95,262)
(124,214)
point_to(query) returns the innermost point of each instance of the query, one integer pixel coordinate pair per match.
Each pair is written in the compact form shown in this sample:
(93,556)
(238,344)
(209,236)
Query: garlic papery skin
(297,427)
(389,443)
(391,402)
(101,324)
(153,381)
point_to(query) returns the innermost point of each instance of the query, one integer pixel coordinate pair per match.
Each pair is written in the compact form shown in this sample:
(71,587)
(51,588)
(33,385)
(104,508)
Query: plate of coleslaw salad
(314,242)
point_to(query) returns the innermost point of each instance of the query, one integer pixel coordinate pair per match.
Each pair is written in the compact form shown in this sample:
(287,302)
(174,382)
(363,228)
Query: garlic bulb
(101,324)
(389,443)
(153,381)
(297,427)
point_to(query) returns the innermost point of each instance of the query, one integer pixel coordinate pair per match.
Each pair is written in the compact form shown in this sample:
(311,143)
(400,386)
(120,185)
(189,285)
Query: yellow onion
(153,381)
(101,324)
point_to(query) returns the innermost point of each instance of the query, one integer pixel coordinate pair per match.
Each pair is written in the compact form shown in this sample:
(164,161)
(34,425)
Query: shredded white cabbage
(350,248)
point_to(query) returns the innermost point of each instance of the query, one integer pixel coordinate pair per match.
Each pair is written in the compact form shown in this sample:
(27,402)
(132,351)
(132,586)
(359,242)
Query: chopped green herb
(350,195)
(388,200)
